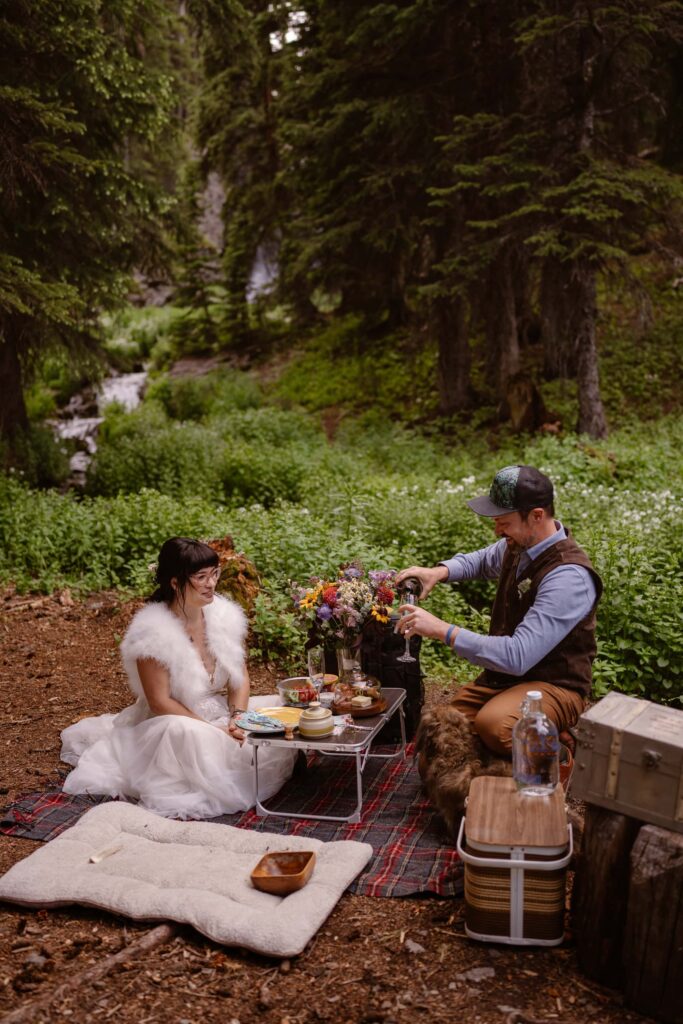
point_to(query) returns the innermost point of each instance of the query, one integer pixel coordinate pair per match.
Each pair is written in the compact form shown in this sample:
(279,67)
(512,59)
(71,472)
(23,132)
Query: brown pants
(493,713)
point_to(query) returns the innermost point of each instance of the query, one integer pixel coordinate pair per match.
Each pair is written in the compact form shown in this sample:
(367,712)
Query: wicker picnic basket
(516,849)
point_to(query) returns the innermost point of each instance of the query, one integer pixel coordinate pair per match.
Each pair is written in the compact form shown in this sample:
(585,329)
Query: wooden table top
(498,815)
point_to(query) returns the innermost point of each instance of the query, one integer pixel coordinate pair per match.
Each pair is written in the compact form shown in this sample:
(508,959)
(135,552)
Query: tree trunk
(592,420)
(454,354)
(653,940)
(502,341)
(598,903)
(559,339)
(13,416)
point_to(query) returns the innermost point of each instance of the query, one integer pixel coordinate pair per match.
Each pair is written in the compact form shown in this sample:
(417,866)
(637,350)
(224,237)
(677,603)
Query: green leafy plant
(299,506)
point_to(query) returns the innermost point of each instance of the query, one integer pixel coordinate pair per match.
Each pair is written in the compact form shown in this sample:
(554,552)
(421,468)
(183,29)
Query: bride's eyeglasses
(205,576)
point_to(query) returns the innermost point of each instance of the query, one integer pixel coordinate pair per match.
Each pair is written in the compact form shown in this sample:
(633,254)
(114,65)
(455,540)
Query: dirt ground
(374,960)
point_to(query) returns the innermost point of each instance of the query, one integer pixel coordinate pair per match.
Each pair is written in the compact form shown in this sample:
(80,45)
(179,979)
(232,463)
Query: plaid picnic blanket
(412,852)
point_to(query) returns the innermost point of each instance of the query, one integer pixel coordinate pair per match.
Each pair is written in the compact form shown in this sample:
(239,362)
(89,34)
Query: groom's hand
(428,576)
(417,621)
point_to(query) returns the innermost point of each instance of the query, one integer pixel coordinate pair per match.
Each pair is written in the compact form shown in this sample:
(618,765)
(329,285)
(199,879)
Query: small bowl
(283,873)
(298,692)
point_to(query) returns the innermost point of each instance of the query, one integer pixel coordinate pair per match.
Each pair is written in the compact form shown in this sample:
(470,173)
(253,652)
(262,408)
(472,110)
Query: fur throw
(155,632)
(450,755)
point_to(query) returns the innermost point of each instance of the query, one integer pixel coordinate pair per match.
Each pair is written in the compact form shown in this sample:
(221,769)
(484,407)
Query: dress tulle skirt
(172,765)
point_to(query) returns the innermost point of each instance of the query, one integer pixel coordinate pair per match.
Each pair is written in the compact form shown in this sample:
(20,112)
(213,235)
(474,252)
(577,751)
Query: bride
(177,749)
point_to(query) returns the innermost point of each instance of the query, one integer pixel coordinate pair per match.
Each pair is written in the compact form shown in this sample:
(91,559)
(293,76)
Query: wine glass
(316,667)
(409,591)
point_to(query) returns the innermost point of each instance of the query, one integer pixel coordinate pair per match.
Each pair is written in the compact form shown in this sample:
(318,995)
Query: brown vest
(569,663)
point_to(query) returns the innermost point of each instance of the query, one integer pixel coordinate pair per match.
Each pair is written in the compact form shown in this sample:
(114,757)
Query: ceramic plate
(253,721)
(287,715)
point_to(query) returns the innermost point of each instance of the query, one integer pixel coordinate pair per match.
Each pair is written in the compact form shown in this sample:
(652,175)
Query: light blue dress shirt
(564,597)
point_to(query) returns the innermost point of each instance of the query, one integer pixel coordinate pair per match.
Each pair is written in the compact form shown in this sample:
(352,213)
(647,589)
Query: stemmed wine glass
(316,668)
(409,590)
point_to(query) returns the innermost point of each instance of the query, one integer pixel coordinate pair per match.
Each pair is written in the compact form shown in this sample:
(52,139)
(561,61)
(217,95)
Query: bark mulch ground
(375,960)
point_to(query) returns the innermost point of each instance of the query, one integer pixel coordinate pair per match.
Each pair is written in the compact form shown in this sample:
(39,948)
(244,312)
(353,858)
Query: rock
(477,974)
(36,960)
(413,947)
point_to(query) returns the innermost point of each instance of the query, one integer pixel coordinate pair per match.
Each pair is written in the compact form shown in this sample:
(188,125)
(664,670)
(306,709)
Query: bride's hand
(235,732)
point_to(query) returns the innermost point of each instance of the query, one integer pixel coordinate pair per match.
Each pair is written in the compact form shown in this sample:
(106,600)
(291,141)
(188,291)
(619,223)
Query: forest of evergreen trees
(463,170)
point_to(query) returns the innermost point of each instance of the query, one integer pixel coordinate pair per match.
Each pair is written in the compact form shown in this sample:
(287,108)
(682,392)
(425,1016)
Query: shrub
(175,459)
(270,427)
(40,459)
(249,472)
(135,334)
(340,367)
(198,398)
(299,506)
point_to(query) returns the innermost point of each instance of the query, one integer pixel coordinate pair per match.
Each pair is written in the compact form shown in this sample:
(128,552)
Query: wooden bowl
(283,873)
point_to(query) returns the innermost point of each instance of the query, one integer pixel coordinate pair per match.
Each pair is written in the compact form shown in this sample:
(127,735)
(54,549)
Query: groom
(542,632)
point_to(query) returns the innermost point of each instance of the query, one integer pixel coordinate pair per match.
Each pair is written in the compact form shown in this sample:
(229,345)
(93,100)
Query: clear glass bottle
(535,749)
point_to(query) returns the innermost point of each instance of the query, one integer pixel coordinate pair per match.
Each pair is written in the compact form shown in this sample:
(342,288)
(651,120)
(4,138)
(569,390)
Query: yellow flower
(311,597)
(379,614)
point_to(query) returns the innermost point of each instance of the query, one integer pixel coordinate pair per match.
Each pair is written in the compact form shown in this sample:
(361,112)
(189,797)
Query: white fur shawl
(155,632)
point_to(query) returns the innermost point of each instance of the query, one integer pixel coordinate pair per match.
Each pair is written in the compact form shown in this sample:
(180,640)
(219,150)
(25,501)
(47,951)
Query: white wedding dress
(171,764)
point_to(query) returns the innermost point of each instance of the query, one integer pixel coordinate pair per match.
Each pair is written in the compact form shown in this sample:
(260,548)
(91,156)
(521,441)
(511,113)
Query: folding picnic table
(352,741)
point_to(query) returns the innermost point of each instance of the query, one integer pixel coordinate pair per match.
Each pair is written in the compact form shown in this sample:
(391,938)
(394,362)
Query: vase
(353,680)
(349,668)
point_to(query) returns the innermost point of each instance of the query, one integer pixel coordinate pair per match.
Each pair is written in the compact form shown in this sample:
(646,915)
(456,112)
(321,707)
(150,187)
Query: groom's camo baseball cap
(515,489)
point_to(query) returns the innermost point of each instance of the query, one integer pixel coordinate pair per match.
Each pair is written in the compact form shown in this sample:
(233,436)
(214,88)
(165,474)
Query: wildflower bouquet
(336,611)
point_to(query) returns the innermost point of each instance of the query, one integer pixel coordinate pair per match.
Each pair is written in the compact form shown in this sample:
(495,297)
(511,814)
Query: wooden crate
(516,850)
(629,758)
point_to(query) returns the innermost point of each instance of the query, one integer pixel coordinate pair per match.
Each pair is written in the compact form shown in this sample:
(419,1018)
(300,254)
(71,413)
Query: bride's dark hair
(179,559)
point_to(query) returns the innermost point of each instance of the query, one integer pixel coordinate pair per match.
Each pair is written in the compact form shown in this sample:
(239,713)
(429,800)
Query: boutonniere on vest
(523,586)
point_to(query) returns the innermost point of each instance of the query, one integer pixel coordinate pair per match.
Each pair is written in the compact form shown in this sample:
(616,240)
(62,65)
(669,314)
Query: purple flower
(324,612)
(352,573)
(381,575)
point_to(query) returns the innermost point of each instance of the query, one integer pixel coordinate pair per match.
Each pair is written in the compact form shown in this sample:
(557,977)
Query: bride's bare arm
(156,684)
(238,696)
(238,700)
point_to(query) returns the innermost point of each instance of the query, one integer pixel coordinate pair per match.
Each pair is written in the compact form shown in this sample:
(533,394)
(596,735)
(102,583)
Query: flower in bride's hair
(152,568)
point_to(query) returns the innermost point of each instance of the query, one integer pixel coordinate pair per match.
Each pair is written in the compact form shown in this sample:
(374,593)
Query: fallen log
(27,605)
(27,1014)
